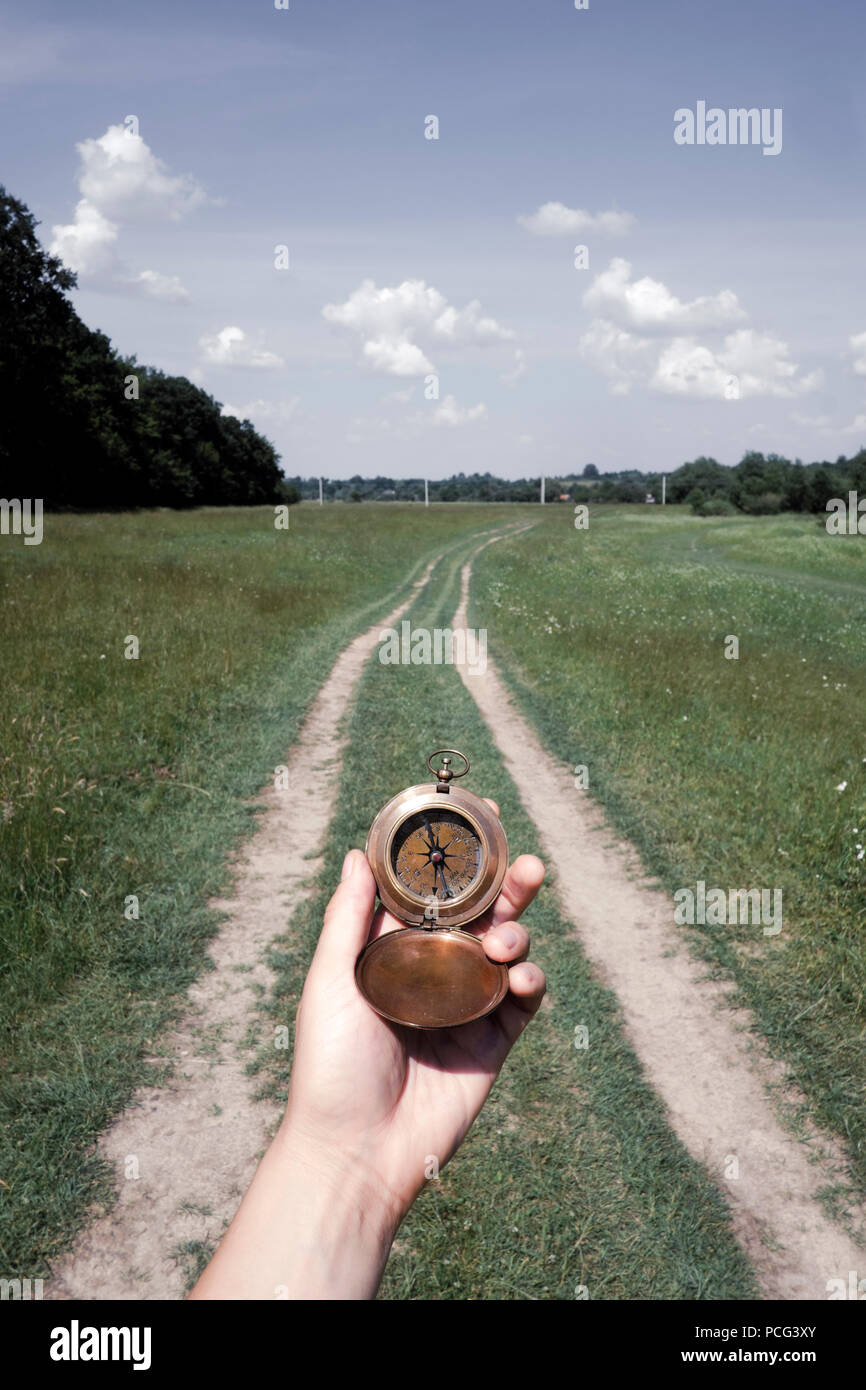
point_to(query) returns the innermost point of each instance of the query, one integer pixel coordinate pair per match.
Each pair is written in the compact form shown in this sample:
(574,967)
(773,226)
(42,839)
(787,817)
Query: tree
(857,471)
(590,471)
(85,427)
(820,487)
(797,491)
(36,317)
(703,473)
(759,480)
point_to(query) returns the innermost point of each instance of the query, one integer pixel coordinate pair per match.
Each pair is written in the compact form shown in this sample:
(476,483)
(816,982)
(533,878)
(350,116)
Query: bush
(697,500)
(718,506)
(762,503)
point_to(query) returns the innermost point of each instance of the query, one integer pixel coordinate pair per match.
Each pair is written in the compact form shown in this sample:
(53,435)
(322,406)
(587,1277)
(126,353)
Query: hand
(371,1105)
(397,1098)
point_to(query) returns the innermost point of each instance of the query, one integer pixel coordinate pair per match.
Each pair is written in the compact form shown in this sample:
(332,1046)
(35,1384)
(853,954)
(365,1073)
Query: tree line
(758,485)
(763,484)
(85,427)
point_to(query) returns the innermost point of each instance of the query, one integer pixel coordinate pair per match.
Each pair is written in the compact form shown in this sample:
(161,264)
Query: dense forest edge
(87,428)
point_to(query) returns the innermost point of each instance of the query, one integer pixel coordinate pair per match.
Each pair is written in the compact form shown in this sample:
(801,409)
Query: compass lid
(427,977)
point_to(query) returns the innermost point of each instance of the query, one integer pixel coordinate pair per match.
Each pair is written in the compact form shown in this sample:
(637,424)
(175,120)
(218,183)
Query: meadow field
(123,777)
(746,772)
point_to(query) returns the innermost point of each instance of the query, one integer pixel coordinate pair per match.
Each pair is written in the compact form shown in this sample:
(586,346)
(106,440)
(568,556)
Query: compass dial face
(436,854)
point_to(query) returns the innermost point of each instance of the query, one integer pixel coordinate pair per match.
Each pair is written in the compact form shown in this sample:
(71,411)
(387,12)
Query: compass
(438,854)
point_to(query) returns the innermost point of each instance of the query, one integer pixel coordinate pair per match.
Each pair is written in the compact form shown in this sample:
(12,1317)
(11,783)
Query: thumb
(348,915)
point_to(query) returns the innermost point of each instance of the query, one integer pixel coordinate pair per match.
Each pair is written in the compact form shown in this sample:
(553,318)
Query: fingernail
(348,866)
(508,937)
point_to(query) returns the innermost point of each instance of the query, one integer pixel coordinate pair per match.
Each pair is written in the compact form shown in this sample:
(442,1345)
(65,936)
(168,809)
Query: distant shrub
(697,500)
(718,506)
(762,503)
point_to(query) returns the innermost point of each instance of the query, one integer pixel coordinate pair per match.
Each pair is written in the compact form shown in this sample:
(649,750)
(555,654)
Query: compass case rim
(477,898)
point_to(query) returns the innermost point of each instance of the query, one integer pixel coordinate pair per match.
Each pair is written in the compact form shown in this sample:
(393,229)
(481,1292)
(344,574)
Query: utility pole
(426,495)
(664,480)
(321,498)
(542,490)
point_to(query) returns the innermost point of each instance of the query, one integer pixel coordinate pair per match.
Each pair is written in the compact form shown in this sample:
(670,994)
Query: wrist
(343,1217)
(348,1173)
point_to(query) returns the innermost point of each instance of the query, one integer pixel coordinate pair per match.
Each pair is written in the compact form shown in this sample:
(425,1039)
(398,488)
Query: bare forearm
(313,1225)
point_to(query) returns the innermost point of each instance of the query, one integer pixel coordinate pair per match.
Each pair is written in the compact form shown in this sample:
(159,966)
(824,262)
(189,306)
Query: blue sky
(722,307)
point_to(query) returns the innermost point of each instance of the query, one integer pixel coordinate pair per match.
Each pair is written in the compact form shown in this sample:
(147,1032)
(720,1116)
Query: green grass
(724,770)
(571,1176)
(122,777)
(135,777)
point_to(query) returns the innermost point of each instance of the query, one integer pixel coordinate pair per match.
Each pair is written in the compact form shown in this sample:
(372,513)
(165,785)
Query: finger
(527,987)
(508,942)
(348,915)
(384,922)
(493,804)
(519,887)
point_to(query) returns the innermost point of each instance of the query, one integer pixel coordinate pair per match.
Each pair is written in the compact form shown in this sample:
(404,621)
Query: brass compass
(438,855)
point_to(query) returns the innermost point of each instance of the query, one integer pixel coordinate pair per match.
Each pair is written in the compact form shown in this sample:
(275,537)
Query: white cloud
(390,320)
(231,348)
(747,364)
(122,176)
(555,219)
(469,325)
(648,305)
(269,412)
(759,363)
(687,368)
(857,426)
(858,347)
(397,357)
(122,183)
(620,356)
(165,287)
(387,311)
(518,370)
(450,413)
(86,245)
(763,367)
